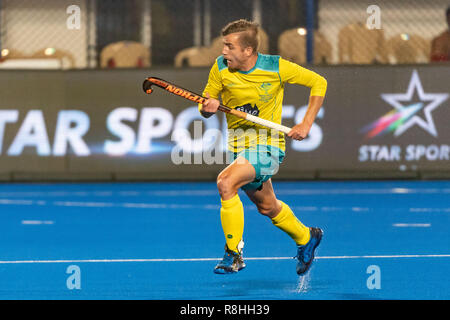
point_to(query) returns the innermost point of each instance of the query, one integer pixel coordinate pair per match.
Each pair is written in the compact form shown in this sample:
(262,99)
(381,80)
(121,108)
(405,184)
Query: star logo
(406,109)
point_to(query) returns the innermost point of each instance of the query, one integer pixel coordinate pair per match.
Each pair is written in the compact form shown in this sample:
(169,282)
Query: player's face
(232,51)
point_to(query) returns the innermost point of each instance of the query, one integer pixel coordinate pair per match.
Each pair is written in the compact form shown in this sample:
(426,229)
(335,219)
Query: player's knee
(224,184)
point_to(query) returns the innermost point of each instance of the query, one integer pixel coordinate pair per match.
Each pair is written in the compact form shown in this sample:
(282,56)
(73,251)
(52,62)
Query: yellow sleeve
(214,85)
(293,73)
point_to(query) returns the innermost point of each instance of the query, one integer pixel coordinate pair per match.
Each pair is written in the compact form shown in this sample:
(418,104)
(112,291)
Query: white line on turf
(213,192)
(215,259)
(412,225)
(167,206)
(147,205)
(37,222)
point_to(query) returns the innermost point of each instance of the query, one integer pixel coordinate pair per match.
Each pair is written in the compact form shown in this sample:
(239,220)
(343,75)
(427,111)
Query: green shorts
(265,159)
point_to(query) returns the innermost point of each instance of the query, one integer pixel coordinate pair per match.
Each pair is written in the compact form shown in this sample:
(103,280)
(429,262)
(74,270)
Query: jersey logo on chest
(266,96)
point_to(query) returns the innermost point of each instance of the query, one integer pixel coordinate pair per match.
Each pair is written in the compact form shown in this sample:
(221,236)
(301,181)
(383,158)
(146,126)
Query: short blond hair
(249,33)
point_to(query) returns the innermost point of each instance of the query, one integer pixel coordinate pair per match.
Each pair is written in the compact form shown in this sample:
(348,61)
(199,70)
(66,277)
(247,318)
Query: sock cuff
(284,213)
(230,202)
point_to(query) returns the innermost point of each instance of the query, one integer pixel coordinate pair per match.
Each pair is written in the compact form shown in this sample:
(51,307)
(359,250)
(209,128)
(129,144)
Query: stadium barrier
(85,125)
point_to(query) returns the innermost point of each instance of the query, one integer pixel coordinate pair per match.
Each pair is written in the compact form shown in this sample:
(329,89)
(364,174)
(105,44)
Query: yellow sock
(232,218)
(288,222)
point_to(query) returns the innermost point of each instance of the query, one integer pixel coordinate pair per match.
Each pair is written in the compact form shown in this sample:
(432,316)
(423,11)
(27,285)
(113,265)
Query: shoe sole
(227,271)
(308,266)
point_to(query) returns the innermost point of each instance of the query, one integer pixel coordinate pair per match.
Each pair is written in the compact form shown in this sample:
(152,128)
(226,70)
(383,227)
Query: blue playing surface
(162,241)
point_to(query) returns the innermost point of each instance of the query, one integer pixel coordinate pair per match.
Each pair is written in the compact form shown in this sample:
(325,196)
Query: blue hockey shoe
(305,253)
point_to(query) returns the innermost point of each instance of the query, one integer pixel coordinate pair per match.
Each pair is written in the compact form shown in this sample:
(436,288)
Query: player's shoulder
(268,62)
(221,63)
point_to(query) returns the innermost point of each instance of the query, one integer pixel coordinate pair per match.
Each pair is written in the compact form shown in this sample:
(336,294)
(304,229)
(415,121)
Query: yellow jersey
(259,92)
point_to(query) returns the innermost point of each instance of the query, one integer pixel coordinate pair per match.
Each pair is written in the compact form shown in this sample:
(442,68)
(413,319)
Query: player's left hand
(299,131)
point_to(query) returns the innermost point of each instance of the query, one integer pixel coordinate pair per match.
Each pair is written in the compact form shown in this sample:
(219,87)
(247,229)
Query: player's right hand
(211,105)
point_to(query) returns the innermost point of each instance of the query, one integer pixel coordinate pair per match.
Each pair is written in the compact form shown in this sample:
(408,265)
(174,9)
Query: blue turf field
(162,241)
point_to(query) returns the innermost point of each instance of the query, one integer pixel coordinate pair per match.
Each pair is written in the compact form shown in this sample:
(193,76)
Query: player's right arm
(210,106)
(212,91)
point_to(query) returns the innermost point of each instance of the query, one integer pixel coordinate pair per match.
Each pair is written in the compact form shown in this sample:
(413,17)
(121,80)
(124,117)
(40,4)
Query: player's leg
(240,172)
(234,176)
(279,212)
(307,239)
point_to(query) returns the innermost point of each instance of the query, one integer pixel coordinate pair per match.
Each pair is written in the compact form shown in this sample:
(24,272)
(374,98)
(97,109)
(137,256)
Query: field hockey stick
(194,97)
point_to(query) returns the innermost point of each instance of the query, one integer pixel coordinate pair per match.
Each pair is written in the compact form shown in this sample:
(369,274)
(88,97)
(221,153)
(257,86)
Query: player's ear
(248,51)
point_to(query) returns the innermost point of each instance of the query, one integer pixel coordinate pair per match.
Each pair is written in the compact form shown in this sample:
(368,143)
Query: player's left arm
(293,73)
(300,131)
